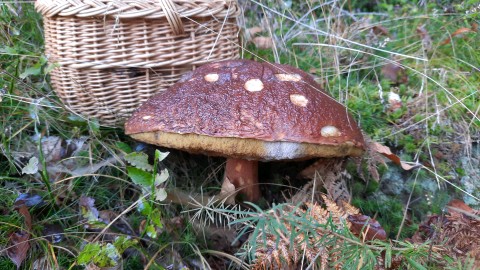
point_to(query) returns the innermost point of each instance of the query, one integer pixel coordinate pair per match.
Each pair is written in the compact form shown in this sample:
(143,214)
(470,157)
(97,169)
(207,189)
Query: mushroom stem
(243,174)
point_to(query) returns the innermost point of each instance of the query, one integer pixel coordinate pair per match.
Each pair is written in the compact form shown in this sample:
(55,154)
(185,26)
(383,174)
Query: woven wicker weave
(115,54)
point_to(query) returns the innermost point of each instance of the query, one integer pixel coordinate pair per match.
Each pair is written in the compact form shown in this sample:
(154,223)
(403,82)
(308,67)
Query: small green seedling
(151,182)
(105,254)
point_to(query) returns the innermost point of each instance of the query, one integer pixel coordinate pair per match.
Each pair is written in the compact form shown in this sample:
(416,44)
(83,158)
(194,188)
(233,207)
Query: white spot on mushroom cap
(288,77)
(330,131)
(146,117)
(254,85)
(283,150)
(299,100)
(212,77)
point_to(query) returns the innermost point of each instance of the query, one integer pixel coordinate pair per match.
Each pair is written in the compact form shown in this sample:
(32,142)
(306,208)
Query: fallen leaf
(54,233)
(456,205)
(380,31)
(456,232)
(395,73)
(459,32)
(88,209)
(475,27)
(90,213)
(18,242)
(425,36)
(22,209)
(44,263)
(31,167)
(119,223)
(53,148)
(253,31)
(366,226)
(384,150)
(18,246)
(263,42)
(27,218)
(29,200)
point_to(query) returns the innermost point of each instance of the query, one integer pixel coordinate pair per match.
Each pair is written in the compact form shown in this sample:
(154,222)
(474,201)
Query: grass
(437,125)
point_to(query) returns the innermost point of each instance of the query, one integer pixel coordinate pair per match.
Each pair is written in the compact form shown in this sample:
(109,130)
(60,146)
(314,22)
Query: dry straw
(113,55)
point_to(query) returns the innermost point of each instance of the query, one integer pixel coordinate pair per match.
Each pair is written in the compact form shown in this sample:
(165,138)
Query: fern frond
(307,235)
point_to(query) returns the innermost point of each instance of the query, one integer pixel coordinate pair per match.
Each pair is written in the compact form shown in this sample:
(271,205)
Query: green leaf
(140,177)
(122,242)
(161,177)
(415,264)
(160,194)
(112,256)
(8,50)
(42,60)
(156,218)
(124,147)
(35,70)
(139,160)
(31,167)
(94,126)
(50,67)
(144,208)
(88,253)
(150,231)
(160,155)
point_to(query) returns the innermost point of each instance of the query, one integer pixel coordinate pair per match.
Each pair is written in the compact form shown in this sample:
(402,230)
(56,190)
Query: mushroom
(248,112)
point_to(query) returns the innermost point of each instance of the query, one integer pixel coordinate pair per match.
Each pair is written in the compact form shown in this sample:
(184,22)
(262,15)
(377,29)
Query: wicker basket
(113,55)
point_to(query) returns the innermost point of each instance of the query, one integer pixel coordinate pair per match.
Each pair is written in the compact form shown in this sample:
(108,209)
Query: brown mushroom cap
(251,110)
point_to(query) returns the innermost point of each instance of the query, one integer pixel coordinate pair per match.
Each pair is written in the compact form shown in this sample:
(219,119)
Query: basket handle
(172,15)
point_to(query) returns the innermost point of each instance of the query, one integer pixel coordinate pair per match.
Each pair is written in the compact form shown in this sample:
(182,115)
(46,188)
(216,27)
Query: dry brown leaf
(18,242)
(44,263)
(475,27)
(457,232)
(54,233)
(118,223)
(459,32)
(384,150)
(18,246)
(253,31)
(456,205)
(372,158)
(331,173)
(425,36)
(366,228)
(395,73)
(380,31)
(27,218)
(263,42)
